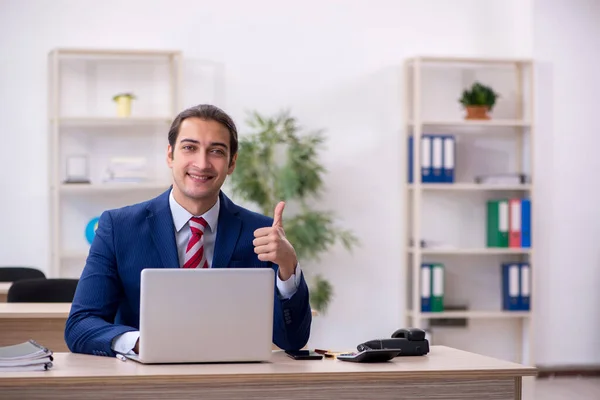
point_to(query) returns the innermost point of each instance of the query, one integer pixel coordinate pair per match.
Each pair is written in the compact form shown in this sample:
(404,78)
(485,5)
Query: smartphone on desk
(303,355)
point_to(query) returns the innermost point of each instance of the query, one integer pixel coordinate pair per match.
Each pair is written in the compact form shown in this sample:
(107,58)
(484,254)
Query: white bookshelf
(433,86)
(83,120)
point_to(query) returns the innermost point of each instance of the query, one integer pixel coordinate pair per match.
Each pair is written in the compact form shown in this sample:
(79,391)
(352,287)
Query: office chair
(13,274)
(42,290)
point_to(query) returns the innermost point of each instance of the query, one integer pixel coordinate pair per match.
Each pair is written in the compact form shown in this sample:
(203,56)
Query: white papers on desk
(26,356)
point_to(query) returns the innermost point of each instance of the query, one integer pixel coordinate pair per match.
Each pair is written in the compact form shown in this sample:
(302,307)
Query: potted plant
(478,101)
(123,101)
(276,163)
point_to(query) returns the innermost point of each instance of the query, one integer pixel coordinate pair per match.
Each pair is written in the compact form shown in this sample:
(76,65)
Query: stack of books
(27,356)
(126,170)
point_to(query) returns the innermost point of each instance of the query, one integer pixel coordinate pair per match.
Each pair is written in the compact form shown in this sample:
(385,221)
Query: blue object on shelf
(90,229)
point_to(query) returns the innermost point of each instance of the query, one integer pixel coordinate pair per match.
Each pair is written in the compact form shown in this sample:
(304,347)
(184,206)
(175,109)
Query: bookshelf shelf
(462,123)
(84,188)
(470,187)
(475,62)
(111,121)
(473,252)
(472,314)
(501,145)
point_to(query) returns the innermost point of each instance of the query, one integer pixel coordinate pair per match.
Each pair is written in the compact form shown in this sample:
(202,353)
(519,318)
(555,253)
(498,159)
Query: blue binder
(426,154)
(511,286)
(525,287)
(437,158)
(426,277)
(525,223)
(449,158)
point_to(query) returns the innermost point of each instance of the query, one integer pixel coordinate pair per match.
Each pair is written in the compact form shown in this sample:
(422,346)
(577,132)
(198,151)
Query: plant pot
(477,112)
(123,106)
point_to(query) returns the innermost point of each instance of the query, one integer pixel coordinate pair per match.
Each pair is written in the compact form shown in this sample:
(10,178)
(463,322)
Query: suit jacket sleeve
(90,327)
(292,318)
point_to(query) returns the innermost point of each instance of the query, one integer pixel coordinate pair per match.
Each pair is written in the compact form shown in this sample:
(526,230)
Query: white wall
(336,65)
(566,39)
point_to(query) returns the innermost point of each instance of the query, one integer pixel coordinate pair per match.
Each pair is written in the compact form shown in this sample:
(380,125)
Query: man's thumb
(278,216)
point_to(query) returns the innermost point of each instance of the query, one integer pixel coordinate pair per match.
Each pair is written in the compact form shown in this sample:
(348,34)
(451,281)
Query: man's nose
(202,160)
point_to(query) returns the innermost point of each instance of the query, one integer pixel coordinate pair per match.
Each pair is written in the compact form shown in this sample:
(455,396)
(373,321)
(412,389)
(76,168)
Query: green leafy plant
(479,95)
(276,162)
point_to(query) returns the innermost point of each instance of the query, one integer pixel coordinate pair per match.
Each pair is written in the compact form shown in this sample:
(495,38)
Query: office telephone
(408,342)
(404,342)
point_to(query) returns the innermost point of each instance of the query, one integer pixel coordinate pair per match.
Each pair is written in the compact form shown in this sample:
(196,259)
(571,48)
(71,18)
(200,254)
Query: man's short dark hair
(206,112)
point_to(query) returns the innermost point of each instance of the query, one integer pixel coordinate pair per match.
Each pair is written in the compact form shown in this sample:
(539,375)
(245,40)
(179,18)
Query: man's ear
(232,164)
(170,156)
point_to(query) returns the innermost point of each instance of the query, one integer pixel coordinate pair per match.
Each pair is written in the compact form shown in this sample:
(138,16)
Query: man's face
(200,159)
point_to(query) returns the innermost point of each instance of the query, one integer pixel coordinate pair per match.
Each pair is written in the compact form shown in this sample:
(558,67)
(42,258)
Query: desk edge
(265,377)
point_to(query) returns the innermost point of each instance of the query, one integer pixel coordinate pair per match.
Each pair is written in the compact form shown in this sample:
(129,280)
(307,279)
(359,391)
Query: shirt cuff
(125,342)
(289,287)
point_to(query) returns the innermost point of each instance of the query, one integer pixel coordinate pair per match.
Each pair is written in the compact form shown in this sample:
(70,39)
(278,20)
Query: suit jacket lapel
(228,232)
(163,230)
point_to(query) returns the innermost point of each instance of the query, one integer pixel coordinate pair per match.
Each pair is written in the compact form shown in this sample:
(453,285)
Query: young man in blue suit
(202,151)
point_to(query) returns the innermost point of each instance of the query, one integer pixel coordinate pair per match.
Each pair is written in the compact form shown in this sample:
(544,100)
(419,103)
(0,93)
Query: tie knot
(197,224)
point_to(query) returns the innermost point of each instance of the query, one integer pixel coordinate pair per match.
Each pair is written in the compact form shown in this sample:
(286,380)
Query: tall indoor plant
(276,162)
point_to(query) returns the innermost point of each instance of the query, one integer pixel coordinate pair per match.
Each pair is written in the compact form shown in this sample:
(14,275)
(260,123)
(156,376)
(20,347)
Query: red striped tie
(194,254)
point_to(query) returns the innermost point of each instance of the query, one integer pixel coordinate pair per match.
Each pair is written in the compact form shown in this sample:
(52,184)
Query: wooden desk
(4,286)
(43,322)
(445,373)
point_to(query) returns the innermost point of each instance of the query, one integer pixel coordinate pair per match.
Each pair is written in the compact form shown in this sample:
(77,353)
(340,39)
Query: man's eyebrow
(190,140)
(194,141)
(219,144)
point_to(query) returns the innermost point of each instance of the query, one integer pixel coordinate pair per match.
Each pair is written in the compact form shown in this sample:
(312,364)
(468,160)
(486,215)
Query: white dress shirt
(125,342)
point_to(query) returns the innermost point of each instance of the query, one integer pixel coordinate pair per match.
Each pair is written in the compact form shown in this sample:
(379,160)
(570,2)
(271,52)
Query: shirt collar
(181,216)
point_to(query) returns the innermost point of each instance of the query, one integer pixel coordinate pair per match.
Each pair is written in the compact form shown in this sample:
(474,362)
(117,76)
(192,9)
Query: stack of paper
(127,169)
(27,356)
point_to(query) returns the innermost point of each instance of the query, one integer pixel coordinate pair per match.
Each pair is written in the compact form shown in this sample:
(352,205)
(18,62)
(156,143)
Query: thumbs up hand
(271,244)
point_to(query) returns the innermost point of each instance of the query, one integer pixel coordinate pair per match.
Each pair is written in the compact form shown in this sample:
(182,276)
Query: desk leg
(518,387)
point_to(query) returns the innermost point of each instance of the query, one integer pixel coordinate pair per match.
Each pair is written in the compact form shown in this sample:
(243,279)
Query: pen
(121,357)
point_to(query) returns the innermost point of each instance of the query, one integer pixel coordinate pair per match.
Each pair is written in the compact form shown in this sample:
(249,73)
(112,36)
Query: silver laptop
(206,315)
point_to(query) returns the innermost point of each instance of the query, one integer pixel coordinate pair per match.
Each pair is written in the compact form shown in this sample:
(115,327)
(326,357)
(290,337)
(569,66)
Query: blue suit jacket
(129,239)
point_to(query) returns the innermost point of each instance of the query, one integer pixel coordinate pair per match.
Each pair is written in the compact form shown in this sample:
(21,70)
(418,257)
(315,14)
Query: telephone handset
(404,342)
(414,334)
(408,342)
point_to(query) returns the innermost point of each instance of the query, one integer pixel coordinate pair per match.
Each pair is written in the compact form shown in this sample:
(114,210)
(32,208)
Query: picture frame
(77,169)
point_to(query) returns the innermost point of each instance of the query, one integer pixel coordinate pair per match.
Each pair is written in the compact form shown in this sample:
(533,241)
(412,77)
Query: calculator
(369,355)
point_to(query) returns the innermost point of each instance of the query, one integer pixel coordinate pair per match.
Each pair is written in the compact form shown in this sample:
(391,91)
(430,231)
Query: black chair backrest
(13,274)
(42,291)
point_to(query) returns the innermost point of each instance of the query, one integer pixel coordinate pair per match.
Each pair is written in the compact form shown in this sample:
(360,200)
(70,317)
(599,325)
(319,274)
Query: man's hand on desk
(272,245)
(136,349)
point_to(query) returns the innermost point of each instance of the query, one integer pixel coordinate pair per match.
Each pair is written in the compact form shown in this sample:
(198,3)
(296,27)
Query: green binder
(497,223)
(437,287)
